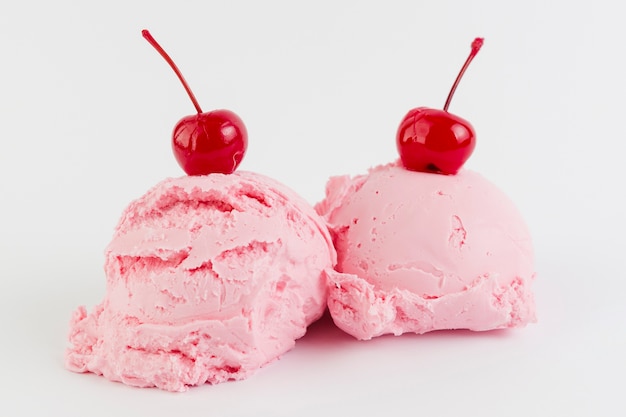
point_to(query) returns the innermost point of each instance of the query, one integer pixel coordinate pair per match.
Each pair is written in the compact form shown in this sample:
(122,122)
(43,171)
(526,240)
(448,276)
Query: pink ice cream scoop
(208,279)
(421,252)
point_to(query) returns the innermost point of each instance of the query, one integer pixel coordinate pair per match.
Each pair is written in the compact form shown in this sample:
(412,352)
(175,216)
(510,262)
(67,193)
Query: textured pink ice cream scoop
(421,252)
(208,279)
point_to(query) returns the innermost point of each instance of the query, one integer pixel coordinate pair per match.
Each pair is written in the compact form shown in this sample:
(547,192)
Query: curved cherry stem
(476,45)
(169,60)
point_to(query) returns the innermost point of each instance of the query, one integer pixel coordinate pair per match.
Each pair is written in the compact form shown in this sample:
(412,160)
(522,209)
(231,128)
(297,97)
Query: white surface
(87,107)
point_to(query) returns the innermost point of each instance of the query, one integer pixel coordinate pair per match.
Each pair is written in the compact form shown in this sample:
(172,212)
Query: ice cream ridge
(209,276)
(423,244)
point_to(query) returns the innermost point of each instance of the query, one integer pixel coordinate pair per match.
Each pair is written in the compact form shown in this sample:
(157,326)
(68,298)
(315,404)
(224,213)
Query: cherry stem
(164,54)
(476,45)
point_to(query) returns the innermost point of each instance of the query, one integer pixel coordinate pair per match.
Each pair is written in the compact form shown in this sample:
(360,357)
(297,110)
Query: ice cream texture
(419,252)
(208,278)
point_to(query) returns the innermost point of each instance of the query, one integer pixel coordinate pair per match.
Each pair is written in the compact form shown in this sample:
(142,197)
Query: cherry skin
(433,140)
(211,142)
(206,142)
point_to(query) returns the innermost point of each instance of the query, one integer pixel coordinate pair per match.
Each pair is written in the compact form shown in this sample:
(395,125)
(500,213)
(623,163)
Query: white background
(86,112)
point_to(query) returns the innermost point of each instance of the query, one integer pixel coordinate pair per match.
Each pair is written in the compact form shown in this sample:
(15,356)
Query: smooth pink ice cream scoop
(208,279)
(421,251)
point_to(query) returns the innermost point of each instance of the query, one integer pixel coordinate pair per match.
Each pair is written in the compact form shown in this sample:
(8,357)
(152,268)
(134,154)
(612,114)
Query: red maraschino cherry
(433,140)
(205,143)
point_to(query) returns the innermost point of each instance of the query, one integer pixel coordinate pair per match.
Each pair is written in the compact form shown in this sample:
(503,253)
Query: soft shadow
(325,334)
(461,334)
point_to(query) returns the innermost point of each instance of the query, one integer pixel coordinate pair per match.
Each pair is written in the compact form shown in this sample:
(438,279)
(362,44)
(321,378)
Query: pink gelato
(208,279)
(421,252)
